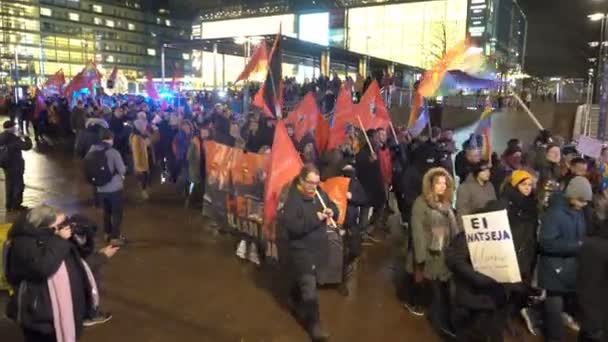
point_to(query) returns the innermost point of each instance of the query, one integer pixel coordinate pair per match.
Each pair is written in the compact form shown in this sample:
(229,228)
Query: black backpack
(96,169)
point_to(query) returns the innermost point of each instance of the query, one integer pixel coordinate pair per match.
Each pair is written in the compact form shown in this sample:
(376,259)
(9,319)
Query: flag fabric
(174,80)
(283,166)
(422,121)
(151,88)
(87,78)
(306,118)
(483,129)
(270,95)
(55,83)
(415,109)
(40,104)
(344,119)
(433,77)
(336,189)
(371,108)
(258,62)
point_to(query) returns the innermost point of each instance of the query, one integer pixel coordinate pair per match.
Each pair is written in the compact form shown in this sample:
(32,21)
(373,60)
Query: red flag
(344,119)
(258,62)
(283,167)
(270,95)
(371,108)
(337,188)
(55,83)
(306,118)
(322,133)
(151,88)
(86,78)
(40,104)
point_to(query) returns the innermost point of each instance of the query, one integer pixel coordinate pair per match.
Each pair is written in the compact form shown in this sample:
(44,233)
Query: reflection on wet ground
(178,282)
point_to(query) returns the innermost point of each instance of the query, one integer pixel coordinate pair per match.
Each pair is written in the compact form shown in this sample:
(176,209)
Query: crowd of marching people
(556,200)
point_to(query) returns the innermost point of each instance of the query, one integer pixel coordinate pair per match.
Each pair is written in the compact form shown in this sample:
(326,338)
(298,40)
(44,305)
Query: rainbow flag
(484,128)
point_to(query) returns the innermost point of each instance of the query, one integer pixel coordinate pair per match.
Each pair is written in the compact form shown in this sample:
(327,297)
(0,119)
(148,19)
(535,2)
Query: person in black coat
(40,248)
(480,302)
(14,167)
(467,158)
(306,222)
(356,199)
(369,174)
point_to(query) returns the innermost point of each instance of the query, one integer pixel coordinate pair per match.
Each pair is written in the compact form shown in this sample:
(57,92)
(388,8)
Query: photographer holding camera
(55,290)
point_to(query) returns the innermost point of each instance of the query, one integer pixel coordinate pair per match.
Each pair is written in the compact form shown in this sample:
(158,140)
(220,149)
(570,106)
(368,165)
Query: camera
(83,234)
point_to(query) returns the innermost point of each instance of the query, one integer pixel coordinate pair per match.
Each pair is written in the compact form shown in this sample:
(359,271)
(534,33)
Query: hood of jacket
(427,188)
(21,228)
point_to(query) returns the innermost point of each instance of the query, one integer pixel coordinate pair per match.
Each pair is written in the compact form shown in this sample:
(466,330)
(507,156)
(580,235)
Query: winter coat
(139,150)
(400,163)
(433,226)
(15,146)
(117,168)
(523,221)
(89,137)
(78,119)
(34,256)
(472,196)
(370,176)
(472,290)
(561,232)
(307,236)
(196,161)
(462,166)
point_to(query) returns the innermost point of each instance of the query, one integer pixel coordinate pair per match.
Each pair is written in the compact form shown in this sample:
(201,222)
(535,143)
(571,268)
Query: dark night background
(558,31)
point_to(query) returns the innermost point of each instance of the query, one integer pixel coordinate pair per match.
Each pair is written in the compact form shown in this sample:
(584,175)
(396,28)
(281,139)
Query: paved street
(178,282)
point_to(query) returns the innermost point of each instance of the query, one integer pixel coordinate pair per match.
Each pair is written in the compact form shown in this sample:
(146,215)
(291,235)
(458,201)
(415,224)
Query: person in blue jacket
(562,231)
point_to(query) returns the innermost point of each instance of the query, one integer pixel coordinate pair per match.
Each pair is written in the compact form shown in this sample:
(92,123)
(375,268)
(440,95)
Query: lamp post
(602,73)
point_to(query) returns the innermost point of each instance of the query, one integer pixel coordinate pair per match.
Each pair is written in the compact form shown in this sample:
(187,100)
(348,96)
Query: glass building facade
(39,37)
(415,33)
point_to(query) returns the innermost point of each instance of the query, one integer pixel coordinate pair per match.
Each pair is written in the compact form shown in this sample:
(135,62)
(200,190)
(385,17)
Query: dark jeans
(440,310)
(414,294)
(368,223)
(14,187)
(34,336)
(305,299)
(112,212)
(480,325)
(554,306)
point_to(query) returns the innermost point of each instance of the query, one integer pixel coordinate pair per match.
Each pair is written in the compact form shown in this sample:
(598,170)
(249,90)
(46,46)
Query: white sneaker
(241,250)
(570,322)
(525,314)
(254,257)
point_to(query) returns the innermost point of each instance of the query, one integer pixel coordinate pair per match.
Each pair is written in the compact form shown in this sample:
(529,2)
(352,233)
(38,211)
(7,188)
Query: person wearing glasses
(306,219)
(562,231)
(55,291)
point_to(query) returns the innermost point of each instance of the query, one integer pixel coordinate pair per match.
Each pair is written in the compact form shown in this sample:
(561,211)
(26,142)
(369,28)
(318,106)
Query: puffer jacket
(35,255)
(561,234)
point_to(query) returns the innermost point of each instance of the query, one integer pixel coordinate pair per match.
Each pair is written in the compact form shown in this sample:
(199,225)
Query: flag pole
(365,134)
(393,130)
(528,111)
(331,222)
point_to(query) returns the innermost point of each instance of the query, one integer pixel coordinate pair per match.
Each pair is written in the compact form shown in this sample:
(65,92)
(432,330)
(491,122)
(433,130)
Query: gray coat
(472,196)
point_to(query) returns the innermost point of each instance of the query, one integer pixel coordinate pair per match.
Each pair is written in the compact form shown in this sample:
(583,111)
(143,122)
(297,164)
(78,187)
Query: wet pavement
(176,281)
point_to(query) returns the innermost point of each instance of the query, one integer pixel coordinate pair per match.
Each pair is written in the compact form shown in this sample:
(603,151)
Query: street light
(603,17)
(597,16)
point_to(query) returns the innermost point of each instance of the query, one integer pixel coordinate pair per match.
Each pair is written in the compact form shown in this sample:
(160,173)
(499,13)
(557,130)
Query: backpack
(96,168)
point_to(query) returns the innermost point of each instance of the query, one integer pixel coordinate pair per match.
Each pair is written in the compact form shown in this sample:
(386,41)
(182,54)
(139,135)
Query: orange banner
(337,188)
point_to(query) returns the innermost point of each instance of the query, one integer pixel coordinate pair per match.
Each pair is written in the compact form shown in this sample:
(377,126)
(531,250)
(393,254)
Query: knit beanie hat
(579,188)
(519,176)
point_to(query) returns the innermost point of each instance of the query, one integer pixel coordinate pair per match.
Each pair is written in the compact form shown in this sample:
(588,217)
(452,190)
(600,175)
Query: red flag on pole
(344,119)
(151,88)
(371,108)
(270,95)
(258,62)
(55,83)
(283,167)
(86,78)
(305,117)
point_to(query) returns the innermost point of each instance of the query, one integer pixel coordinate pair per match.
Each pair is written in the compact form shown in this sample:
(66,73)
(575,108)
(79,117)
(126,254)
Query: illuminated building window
(46,12)
(74,16)
(98,57)
(131,27)
(158,21)
(151,52)
(110,59)
(98,21)
(109,23)
(97,9)
(186,56)
(167,22)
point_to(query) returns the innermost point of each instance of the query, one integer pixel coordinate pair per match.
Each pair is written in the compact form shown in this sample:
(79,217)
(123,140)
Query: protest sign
(589,146)
(491,246)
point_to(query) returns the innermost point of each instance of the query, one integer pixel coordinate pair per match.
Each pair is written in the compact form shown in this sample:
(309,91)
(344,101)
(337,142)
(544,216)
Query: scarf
(60,293)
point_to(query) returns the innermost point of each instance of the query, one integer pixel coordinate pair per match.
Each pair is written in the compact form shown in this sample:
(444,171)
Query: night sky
(558,32)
